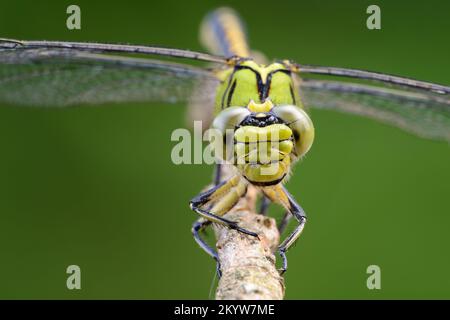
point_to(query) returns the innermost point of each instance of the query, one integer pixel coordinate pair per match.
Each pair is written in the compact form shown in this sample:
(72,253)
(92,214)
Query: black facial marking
(253,120)
(222,103)
(292,94)
(230,95)
(266,183)
(263,88)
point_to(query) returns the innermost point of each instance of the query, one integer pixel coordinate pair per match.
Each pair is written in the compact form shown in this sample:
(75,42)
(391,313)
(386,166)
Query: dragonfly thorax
(248,81)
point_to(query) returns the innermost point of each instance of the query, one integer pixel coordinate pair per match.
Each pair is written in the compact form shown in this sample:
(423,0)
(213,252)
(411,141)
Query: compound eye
(224,125)
(300,123)
(230,118)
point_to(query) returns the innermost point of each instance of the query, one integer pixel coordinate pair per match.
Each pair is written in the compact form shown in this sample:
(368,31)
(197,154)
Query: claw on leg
(218,268)
(198,226)
(280,195)
(213,204)
(284,261)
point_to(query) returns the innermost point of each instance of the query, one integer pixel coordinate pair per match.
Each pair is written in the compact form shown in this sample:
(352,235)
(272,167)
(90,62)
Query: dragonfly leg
(219,200)
(224,196)
(264,205)
(284,222)
(198,226)
(218,174)
(280,195)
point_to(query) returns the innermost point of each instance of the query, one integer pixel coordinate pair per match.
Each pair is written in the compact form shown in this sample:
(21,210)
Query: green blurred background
(95,186)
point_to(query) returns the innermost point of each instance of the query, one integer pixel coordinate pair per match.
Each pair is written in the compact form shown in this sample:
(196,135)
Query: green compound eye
(224,125)
(230,118)
(301,125)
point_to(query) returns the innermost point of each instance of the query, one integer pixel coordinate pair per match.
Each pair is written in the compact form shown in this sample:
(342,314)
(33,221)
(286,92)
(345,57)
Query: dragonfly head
(262,141)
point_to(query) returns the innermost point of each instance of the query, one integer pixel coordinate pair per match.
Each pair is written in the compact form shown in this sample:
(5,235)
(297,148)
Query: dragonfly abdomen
(222,32)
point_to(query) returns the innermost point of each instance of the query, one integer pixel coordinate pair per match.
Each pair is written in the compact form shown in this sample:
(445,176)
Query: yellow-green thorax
(247,81)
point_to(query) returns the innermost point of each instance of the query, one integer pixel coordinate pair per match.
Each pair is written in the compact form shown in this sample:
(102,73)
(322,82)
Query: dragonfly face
(270,129)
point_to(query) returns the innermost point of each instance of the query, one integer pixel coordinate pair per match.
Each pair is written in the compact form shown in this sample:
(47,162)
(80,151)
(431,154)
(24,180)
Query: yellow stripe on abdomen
(222,32)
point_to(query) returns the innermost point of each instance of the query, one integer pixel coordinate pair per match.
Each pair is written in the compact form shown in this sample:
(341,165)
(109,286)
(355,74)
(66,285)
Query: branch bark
(248,263)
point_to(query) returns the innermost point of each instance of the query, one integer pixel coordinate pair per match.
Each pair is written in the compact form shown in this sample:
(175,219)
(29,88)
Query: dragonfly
(235,89)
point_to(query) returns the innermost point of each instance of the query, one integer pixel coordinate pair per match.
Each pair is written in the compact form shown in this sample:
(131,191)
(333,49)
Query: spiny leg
(280,195)
(218,174)
(222,197)
(284,222)
(198,226)
(299,214)
(201,224)
(265,202)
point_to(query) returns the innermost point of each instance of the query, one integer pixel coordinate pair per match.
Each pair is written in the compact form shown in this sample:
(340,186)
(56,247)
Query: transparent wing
(420,111)
(53,76)
(386,79)
(110,48)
